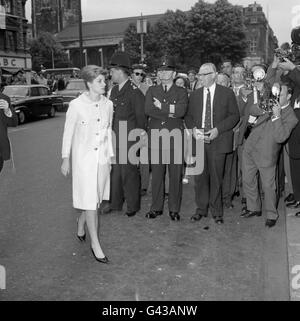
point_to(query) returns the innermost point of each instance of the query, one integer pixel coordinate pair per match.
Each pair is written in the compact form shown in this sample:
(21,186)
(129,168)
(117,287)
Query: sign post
(141,28)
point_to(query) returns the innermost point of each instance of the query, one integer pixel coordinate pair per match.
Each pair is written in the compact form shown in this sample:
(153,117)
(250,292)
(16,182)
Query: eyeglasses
(208,73)
(139,74)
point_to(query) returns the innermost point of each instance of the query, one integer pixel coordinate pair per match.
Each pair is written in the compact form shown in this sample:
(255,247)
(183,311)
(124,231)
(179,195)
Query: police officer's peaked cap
(120,59)
(167,63)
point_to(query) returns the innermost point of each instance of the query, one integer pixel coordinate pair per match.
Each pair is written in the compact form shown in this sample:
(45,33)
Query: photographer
(7,118)
(292,75)
(261,150)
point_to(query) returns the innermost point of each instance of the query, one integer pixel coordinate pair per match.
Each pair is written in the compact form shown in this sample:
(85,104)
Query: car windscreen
(76,85)
(15,91)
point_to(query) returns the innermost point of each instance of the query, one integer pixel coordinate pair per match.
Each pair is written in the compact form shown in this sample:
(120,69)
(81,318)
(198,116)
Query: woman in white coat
(87,135)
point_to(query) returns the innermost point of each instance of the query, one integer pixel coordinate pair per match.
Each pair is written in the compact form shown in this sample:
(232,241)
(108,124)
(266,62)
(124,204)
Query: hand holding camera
(287,65)
(4,104)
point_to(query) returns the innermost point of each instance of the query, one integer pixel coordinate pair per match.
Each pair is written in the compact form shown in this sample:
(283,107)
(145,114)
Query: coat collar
(123,89)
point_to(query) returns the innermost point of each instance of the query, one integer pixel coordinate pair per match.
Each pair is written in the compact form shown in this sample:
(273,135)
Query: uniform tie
(165,88)
(207,121)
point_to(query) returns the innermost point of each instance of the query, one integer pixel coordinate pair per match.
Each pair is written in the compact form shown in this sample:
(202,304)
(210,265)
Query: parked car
(33,100)
(74,88)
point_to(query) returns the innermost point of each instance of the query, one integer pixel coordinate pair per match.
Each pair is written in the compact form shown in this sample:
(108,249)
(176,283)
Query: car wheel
(21,117)
(52,112)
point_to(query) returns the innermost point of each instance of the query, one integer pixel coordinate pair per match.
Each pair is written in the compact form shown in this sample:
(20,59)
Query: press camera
(291,52)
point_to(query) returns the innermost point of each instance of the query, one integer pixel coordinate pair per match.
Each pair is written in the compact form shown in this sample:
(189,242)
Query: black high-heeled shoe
(101,260)
(81,238)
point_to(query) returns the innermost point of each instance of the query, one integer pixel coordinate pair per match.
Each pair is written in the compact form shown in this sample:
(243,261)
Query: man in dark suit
(166,106)
(232,174)
(260,154)
(129,104)
(212,114)
(8,117)
(293,77)
(192,80)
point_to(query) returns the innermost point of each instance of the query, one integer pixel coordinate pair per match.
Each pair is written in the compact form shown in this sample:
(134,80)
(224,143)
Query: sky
(283,14)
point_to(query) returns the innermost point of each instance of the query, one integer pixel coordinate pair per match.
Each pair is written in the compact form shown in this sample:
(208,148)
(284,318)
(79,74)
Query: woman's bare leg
(92,227)
(81,223)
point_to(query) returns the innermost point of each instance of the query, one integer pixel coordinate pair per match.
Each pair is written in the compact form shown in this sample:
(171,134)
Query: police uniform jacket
(4,123)
(175,99)
(129,107)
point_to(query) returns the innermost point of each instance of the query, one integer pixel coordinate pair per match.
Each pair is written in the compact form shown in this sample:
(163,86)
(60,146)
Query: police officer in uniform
(166,105)
(129,104)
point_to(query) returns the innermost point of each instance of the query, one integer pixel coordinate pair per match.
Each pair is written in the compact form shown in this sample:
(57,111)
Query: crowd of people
(246,150)
(22,77)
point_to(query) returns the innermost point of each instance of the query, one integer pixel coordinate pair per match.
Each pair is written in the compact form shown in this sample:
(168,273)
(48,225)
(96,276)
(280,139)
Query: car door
(35,104)
(45,99)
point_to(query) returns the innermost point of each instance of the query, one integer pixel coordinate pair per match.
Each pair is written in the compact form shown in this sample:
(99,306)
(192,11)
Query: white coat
(87,133)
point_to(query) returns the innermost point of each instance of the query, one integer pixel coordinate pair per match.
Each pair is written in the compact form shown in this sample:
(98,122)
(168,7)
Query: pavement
(149,259)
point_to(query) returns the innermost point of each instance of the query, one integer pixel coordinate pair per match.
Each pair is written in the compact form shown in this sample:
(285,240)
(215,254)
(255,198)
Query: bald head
(207,74)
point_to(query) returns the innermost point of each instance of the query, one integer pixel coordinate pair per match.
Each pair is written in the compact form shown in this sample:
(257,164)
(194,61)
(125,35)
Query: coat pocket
(82,130)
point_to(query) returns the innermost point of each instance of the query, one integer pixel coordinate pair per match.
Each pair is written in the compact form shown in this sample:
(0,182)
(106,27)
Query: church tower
(53,15)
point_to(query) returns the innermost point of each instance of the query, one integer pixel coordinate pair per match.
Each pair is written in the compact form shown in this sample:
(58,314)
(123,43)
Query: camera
(291,52)
(284,53)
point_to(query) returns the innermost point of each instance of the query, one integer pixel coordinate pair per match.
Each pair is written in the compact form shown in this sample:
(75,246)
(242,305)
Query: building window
(252,45)
(8,6)
(11,40)
(69,5)
(253,20)
(2,39)
(23,9)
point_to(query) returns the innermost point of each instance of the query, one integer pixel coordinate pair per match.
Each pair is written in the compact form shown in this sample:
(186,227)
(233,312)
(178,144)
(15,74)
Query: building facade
(260,36)
(14,53)
(53,15)
(102,38)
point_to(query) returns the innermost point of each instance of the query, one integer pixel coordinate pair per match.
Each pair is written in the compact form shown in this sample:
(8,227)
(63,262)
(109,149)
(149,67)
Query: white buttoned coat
(87,133)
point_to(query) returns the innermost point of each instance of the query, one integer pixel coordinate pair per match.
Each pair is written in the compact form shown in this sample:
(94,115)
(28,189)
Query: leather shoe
(270,222)
(174,216)
(197,217)
(248,214)
(295,204)
(219,220)
(244,210)
(228,205)
(153,214)
(81,238)
(101,260)
(289,198)
(130,214)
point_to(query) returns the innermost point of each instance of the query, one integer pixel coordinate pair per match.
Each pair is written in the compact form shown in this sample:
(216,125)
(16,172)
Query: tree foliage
(207,32)
(43,49)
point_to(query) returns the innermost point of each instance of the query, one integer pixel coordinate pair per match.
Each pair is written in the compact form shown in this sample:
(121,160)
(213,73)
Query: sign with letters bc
(12,62)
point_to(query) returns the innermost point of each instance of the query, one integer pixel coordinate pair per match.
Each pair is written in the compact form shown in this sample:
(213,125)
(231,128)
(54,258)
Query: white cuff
(273,118)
